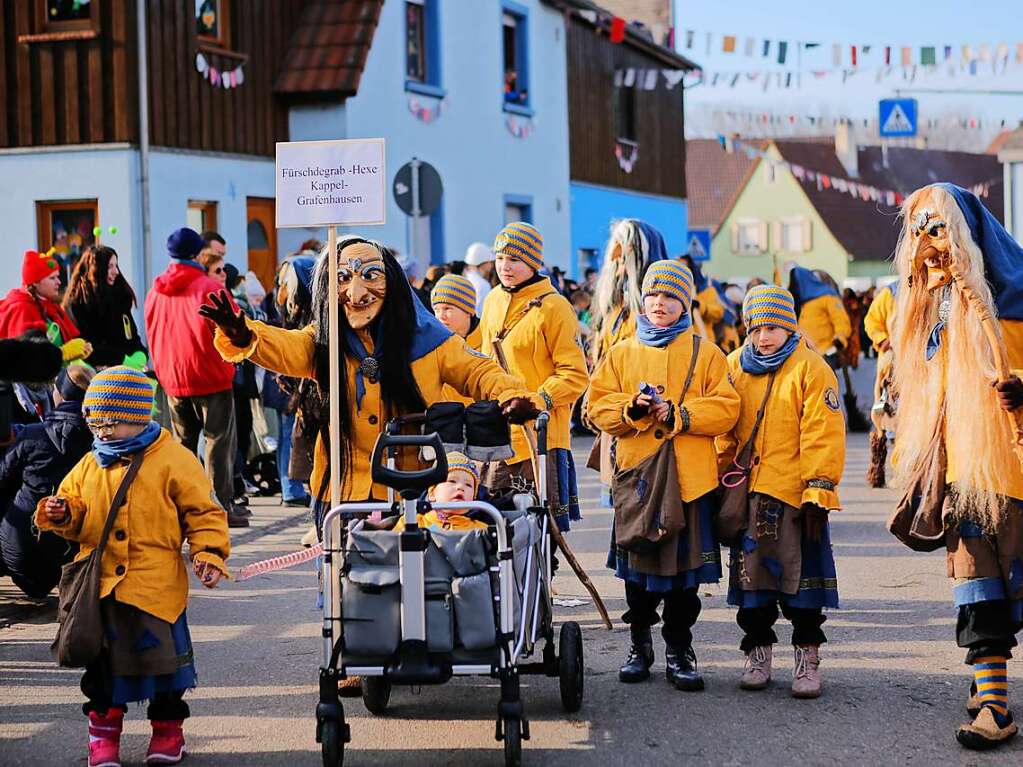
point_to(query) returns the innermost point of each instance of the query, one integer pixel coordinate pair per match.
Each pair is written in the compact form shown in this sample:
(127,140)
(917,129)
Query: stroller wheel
(512,743)
(376,692)
(570,666)
(332,744)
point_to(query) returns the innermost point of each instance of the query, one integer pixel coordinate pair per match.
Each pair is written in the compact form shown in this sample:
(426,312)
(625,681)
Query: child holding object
(143,580)
(783,558)
(663,395)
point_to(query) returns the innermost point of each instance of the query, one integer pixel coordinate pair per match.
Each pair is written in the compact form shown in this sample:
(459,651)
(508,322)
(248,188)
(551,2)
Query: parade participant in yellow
(396,359)
(664,396)
(143,583)
(461,485)
(822,317)
(533,332)
(617,302)
(959,309)
(791,410)
(454,303)
(878,324)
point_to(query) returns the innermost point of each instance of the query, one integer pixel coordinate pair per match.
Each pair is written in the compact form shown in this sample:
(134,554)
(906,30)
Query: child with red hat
(35,306)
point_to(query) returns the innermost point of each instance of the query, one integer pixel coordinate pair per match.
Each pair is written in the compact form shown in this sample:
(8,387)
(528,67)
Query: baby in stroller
(461,484)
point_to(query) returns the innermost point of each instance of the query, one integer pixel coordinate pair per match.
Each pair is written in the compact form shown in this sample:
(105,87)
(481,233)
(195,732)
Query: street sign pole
(333,333)
(414,255)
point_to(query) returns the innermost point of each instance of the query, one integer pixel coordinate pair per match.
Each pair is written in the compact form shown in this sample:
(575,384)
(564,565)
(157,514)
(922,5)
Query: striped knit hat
(671,277)
(454,289)
(521,240)
(769,305)
(461,462)
(121,394)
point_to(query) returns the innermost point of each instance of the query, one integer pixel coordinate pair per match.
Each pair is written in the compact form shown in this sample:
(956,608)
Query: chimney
(846,149)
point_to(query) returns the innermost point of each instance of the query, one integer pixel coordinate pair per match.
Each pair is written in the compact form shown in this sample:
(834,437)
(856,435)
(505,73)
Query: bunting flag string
(845,61)
(219,78)
(855,189)
(756,118)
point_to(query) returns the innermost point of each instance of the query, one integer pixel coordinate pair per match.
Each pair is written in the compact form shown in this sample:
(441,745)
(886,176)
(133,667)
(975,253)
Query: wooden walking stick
(994,339)
(559,539)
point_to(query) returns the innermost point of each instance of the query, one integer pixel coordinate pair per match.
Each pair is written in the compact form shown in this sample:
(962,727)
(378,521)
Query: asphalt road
(894,680)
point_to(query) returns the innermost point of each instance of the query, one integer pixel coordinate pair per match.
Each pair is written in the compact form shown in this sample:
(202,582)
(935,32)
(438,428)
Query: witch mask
(361,283)
(931,238)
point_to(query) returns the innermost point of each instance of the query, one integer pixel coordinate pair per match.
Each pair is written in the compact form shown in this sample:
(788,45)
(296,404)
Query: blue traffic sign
(698,247)
(897,117)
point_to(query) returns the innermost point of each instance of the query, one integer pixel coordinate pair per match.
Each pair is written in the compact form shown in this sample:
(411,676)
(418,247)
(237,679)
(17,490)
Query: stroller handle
(409,419)
(541,432)
(413,482)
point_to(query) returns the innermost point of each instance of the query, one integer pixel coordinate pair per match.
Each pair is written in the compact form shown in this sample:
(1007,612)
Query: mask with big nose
(932,254)
(361,283)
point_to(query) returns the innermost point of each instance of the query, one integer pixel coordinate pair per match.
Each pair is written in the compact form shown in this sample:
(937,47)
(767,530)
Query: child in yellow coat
(143,580)
(784,557)
(659,355)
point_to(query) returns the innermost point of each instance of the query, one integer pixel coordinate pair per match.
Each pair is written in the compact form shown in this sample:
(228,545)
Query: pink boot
(167,746)
(806,677)
(105,738)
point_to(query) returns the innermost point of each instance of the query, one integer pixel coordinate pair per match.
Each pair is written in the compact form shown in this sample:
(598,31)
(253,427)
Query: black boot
(641,657)
(681,670)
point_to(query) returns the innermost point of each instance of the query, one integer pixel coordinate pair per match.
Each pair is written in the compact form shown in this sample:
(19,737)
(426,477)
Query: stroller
(420,607)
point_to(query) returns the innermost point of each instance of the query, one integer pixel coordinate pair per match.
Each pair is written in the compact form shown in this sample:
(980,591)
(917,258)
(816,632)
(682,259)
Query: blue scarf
(650,334)
(110,452)
(428,335)
(757,364)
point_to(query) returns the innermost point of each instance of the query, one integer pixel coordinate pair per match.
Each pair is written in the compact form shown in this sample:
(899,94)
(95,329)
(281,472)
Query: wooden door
(262,236)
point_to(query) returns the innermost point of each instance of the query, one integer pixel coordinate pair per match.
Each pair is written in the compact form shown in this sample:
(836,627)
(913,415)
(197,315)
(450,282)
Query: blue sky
(862,22)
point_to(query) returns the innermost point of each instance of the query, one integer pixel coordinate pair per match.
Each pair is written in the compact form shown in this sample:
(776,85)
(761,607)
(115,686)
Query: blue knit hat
(671,277)
(185,243)
(769,305)
(120,394)
(456,290)
(521,240)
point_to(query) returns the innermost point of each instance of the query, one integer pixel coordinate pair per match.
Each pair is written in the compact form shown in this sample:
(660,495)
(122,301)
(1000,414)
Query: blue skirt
(818,581)
(130,689)
(566,505)
(708,572)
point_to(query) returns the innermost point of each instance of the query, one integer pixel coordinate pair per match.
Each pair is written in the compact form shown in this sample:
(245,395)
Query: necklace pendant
(370,368)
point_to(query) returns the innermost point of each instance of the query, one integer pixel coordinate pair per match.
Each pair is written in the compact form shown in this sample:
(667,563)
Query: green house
(767,202)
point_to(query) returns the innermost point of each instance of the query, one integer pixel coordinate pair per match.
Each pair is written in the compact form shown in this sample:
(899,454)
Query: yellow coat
(711,309)
(802,436)
(878,320)
(473,340)
(433,521)
(290,352)
(543,349)
(712,405)
(169,501)
(823,320)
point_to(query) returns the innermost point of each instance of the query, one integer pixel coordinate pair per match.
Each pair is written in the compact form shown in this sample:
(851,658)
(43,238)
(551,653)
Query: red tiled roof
(714,179)
(869,230)
(329,47)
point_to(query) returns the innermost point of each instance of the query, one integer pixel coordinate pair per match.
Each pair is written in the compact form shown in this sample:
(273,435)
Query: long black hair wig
(392,330)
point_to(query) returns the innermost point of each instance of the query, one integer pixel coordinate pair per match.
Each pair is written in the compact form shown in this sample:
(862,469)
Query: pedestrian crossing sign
(897,117)
(699,244)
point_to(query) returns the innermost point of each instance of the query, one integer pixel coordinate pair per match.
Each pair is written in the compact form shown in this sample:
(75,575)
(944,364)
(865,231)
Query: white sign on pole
(320,183)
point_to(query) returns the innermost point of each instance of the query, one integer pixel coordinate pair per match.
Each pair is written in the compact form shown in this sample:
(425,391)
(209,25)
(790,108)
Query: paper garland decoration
(648,79)
(854,189)
(748,119)
(520,129)
(626,161)
(219,78)
(423,112)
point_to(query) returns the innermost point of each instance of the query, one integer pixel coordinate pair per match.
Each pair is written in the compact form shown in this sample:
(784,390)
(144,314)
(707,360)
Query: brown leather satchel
(733,513)
(647,503)
(918,519)
(80,633)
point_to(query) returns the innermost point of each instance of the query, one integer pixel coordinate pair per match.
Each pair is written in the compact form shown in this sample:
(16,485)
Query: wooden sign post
(332,183)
